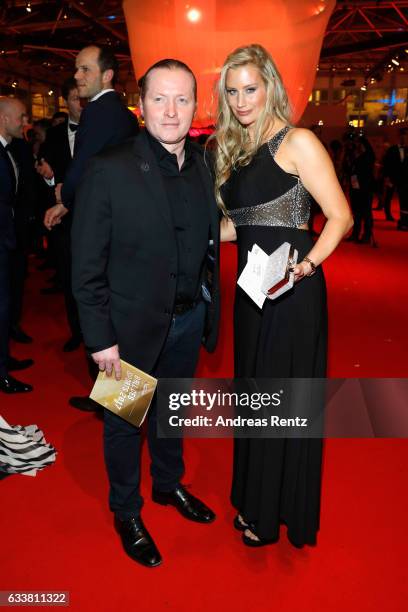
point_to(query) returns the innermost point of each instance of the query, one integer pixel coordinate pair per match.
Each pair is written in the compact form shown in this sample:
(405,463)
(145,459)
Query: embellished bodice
(262,193)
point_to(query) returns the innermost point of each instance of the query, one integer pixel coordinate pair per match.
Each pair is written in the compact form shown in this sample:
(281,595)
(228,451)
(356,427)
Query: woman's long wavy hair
(233,146)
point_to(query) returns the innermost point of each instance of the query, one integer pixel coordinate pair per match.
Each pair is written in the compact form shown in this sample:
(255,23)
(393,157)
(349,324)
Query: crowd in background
(371,184)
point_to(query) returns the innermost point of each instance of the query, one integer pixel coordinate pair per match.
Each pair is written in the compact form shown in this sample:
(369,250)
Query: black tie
(73,127)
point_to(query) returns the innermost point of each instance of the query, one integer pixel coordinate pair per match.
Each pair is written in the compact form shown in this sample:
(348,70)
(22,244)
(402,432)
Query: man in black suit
(396,175)
(105,121)
(11,126)
(55,158)
(145,254)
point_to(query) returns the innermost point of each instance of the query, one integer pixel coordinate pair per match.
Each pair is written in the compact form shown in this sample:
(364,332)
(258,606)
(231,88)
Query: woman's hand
(302,269)
(227,228)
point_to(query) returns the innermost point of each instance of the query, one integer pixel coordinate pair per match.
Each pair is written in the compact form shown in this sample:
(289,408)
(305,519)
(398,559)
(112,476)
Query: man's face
(14,119)
(169,104)
(74,105)
(88,75)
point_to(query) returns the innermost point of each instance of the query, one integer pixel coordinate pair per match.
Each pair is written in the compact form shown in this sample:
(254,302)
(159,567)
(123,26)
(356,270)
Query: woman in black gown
(266,172)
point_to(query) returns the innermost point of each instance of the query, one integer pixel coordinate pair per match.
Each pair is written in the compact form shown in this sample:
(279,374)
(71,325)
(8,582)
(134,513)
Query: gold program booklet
(129,397)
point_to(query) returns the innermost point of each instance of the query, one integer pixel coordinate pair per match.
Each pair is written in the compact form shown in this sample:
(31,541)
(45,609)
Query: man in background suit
(105,121)
(55,158)
(145,243)
(11,126)
(396,175)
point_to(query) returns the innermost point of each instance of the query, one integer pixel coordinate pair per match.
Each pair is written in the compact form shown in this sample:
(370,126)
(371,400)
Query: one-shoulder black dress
(277,480)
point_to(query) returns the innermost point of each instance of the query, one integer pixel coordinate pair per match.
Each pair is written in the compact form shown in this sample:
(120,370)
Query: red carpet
(57,530)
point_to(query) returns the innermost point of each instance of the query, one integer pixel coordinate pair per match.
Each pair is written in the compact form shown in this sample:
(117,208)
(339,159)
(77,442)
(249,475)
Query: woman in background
(266,173)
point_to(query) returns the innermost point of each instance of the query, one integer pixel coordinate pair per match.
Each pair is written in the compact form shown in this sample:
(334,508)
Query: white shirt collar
(101,93)
(3,141)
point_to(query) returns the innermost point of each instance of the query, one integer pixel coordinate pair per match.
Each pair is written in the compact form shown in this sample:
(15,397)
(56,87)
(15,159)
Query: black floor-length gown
(277,480)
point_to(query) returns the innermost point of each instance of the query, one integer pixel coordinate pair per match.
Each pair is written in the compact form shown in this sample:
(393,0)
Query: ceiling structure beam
(398,10)
(45,26)
(10,71)
(397,40)
(370,23)
(81,9)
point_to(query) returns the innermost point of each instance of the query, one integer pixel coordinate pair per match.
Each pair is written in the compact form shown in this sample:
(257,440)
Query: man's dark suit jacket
(125,253)
(394,168)
(104,122)
(56,151)
(7,200)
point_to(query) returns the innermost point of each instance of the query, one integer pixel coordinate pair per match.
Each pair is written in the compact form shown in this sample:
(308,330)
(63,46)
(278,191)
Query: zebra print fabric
(23,450)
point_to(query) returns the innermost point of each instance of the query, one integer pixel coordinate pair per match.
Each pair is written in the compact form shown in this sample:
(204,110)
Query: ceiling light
(395,62)
(363,87)
(28,7)
(50,92)
(194,15)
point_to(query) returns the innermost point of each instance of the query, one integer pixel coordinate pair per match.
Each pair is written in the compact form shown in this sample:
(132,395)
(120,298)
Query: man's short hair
(67,86)
(60,115)
(107,61)
(170,64)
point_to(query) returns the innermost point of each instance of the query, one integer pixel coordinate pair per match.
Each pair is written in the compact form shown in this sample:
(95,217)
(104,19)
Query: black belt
(184,307)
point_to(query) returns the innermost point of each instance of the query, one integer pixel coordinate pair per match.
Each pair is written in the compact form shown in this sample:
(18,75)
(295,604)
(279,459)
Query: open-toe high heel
(255,543)
(240,526)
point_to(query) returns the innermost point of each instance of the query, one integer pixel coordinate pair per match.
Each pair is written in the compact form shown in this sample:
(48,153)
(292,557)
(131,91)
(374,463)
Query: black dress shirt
(190,215)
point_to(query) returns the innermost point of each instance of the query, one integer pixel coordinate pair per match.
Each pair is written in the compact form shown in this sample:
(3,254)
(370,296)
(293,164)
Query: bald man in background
(11,126)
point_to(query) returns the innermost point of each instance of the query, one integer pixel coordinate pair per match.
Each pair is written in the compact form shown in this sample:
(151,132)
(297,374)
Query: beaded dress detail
(291,209)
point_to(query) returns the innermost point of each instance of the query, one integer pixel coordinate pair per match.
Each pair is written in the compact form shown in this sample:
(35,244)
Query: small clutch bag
(279,276)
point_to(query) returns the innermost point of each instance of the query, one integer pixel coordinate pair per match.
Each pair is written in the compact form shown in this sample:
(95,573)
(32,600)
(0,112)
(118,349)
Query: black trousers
(18,268)
(122,441)
(403,204)
(4,308)
(361,201)
(62,247)
(387,199)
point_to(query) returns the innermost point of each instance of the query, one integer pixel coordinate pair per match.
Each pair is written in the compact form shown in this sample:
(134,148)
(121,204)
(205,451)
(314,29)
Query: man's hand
(44,169)
(54,215)
(108,360)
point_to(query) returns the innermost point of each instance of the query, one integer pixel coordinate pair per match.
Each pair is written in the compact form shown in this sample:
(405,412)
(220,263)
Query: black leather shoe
(8,384)
(14,364)
(188,505)
(137,542)
(72,344)
(86,404)
(18,335)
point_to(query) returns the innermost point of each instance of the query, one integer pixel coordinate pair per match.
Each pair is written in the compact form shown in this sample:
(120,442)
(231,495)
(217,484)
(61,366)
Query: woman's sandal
(239,524)
(248,541)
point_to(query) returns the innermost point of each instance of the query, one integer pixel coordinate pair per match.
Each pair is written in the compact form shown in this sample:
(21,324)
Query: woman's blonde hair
(233,146)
